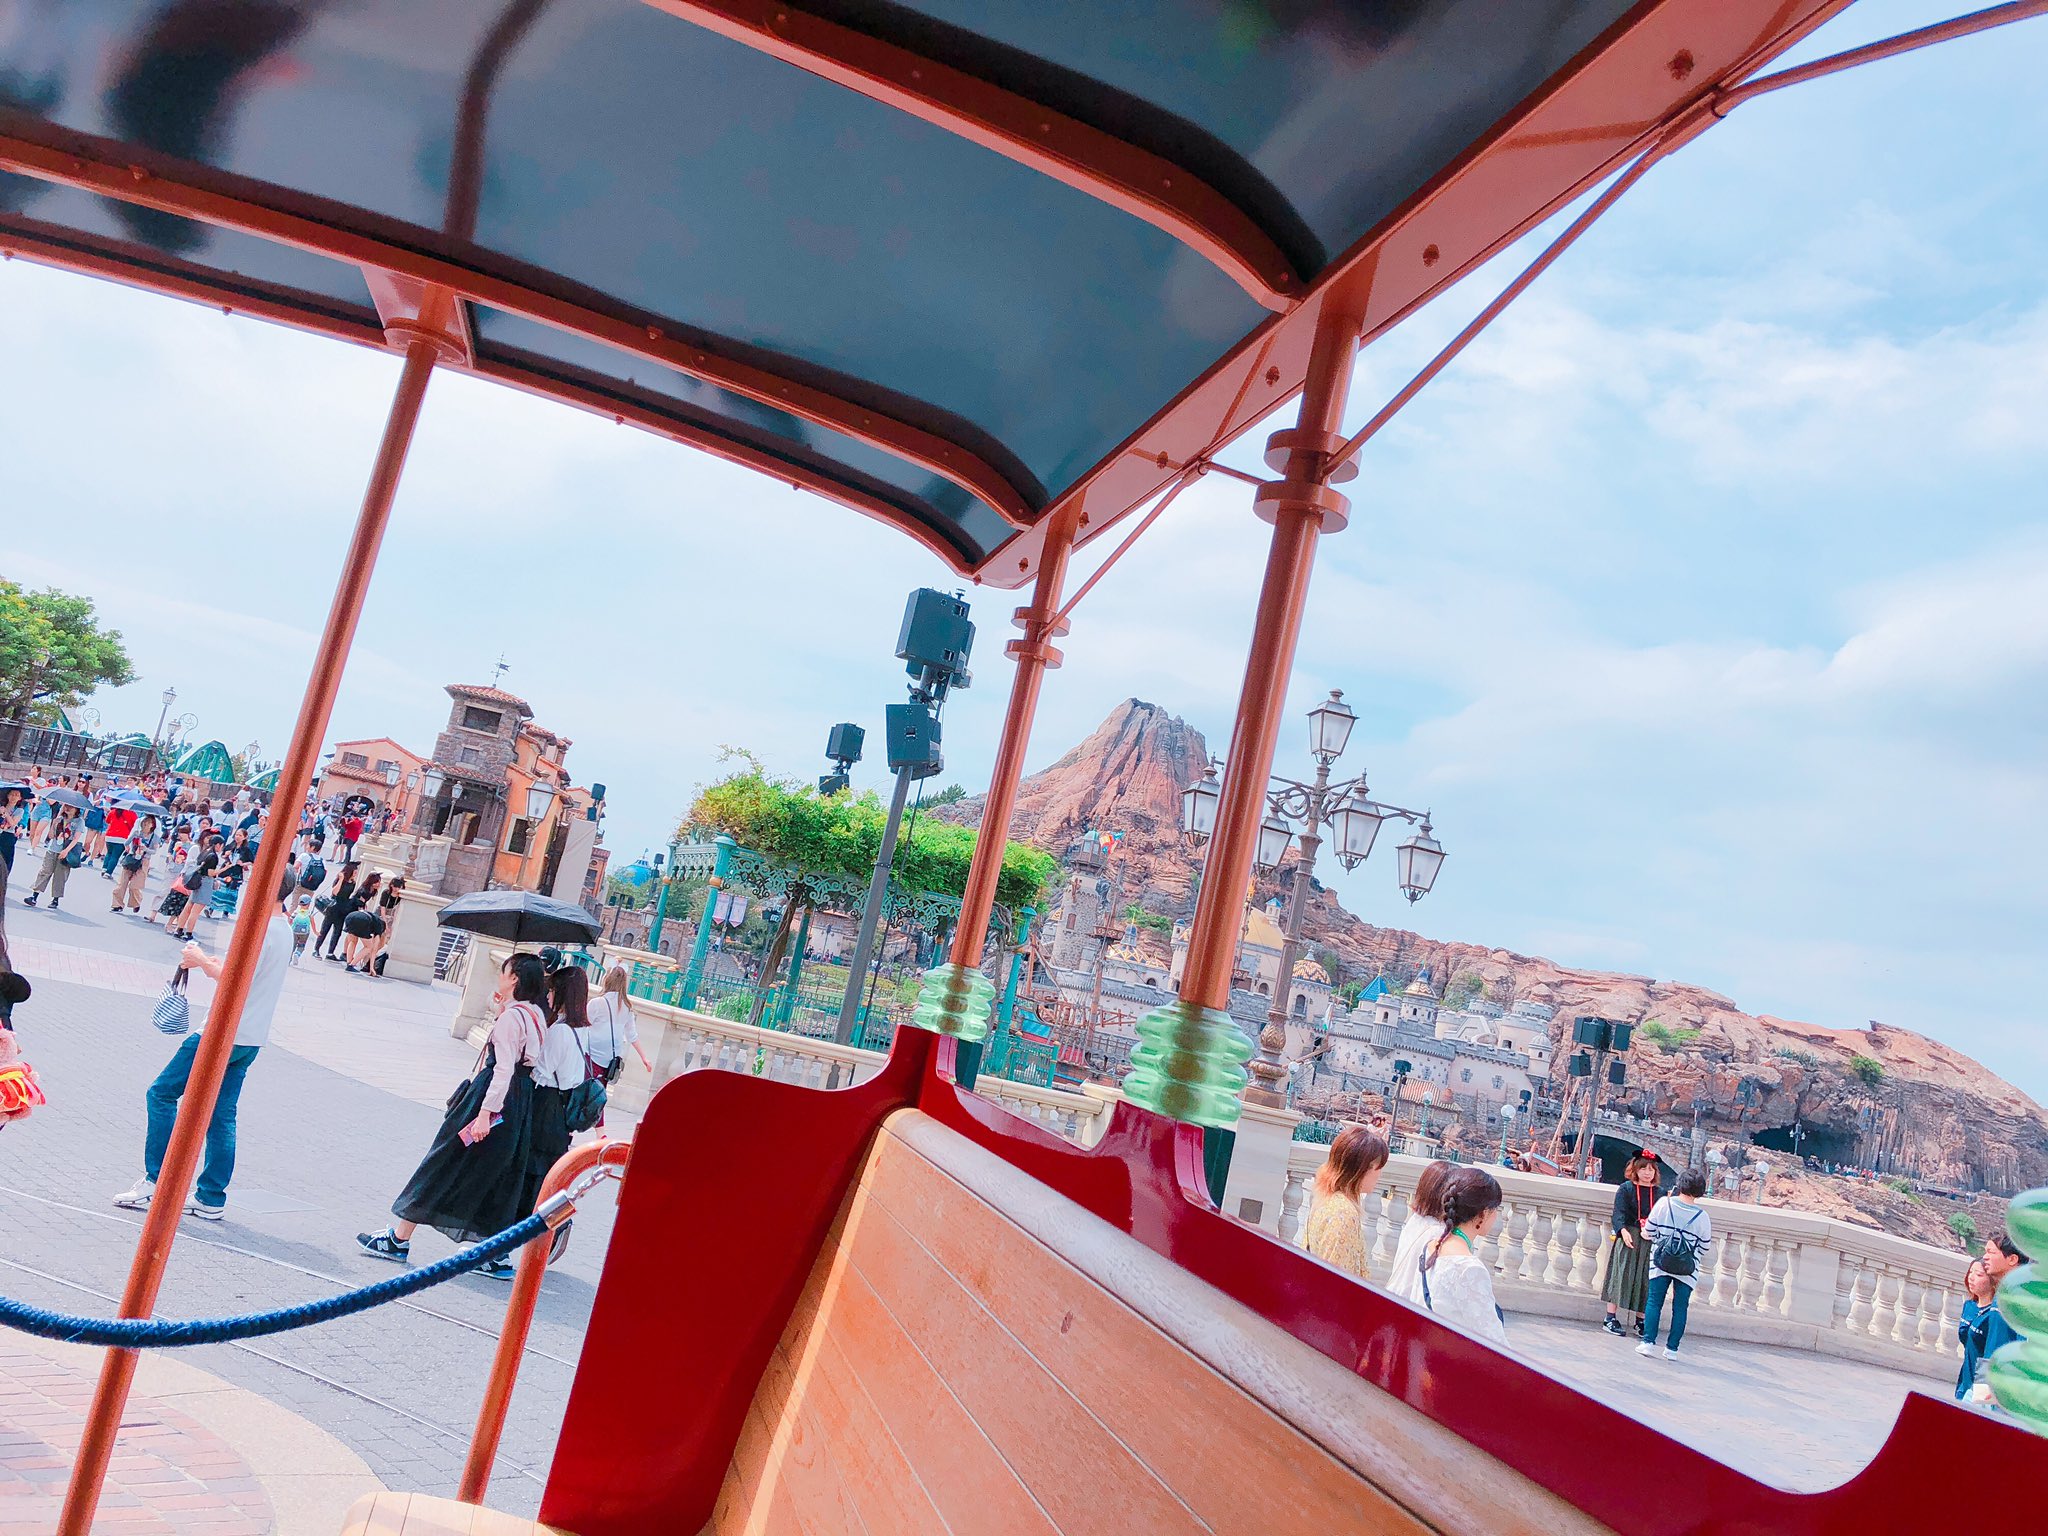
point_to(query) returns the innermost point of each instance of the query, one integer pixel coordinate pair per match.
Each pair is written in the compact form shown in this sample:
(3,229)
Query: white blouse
(1404,1278)
(1461,1293)
(611,1029)
(560,1063)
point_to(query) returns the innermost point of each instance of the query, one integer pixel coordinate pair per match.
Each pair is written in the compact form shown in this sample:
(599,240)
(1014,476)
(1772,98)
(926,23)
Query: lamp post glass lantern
(1329,726)
(1421,857)
(1274,836)
(1354,819)
(1198,807)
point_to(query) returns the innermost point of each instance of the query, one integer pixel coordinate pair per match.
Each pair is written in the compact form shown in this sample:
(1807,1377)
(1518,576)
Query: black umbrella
(520,917)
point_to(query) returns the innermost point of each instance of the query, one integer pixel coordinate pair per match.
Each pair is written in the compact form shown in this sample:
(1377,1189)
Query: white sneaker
(138,1198)
(1670,1354)
(1647,1350)
(205,1212)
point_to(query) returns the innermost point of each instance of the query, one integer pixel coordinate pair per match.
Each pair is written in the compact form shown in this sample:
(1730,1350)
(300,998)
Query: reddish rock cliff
(1933,1109)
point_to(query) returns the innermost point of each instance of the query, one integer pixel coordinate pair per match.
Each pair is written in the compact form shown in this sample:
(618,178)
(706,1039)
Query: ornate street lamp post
(157,742)
(1354,819)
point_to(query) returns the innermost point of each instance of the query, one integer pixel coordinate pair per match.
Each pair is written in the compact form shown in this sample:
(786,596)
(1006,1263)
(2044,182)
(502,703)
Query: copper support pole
(181,1158)
(1298,505)
(533,1266)
(1042,624)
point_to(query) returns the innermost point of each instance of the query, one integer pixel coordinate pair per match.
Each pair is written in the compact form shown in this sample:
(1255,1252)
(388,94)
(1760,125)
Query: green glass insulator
(1189,1064)
(2023,1298)
(2018,1375)
(955,1000)
(2027,1220)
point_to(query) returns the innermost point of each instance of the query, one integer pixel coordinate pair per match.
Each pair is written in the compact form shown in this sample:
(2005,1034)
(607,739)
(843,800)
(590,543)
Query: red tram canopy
(950,263)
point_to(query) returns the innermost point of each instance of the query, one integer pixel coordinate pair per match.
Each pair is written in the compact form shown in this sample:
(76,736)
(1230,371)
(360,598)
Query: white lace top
(1461,1293)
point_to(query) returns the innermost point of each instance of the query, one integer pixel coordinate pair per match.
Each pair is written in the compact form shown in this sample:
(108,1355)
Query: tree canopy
(53,652)
(842,834)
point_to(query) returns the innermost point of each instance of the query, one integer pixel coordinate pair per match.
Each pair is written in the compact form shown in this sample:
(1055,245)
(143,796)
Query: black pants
(330,929)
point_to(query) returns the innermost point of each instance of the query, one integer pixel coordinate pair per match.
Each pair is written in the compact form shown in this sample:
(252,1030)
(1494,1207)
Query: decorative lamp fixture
(540,795)
(1357,823)
(1274,836)
(391,775)
(1329,726)
(431,780)
(1198,807)
(1421,857)
(170,697)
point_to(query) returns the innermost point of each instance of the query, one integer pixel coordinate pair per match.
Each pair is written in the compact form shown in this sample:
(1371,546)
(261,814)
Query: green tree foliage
(1158,922)
(1667,1038)
(1464,991)
(53,652)
(1347,992)
(842,834)
(1868,1069)
(948,795)
(1964,1227)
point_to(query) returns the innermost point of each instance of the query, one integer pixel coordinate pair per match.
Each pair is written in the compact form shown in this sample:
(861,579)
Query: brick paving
(169,1475)
(334,1115)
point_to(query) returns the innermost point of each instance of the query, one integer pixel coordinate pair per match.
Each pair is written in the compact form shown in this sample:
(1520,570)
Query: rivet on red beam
(1431,255)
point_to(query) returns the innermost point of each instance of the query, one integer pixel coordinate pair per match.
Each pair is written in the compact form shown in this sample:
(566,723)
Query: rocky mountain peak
(1932,1107)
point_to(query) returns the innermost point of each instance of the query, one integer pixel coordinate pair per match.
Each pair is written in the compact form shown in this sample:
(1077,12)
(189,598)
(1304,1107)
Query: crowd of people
(1659,1237)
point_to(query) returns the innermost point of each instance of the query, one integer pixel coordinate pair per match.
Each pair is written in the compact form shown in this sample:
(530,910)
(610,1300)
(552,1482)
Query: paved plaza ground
(335,1114)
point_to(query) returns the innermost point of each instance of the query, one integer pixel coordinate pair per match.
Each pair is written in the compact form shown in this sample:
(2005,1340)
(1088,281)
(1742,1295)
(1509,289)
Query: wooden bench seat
(417,1514)
(976,1353)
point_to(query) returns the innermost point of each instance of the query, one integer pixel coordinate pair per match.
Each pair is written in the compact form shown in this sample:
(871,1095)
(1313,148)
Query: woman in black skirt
(564,1064)
(471,1182)
(1628,1250)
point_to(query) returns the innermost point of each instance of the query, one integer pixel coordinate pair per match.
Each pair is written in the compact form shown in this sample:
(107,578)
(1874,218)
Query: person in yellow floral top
(1336,1233)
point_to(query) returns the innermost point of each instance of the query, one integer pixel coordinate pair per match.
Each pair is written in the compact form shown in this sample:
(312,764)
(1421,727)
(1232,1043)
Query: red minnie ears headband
(1647,1155)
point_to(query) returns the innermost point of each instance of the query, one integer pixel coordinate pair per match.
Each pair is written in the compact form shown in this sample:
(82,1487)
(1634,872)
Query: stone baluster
(1749,1282)
(1906,1315)
(1862,1294)
(1585,1266)
(1541,1264)
(1292,1199)
(1884,1299)
(1514,1224)
(1927,1330)
(1771,1295)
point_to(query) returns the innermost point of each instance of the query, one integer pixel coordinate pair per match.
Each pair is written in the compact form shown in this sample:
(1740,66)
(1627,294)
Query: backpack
(1677,1253)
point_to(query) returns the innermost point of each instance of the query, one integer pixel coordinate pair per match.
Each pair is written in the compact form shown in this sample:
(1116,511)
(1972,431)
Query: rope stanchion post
(576,1171)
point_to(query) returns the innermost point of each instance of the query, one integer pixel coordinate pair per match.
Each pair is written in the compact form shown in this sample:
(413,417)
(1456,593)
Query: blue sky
(1705,599)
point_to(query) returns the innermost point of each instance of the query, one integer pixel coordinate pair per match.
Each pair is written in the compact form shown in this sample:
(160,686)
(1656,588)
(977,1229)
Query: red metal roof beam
(1682,130)
(1169,197)
(1889,48)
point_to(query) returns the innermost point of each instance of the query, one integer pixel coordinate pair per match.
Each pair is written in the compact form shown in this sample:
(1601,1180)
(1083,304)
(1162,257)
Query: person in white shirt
(612,1027)
(1457,1285)
(1423,1227)
(1679,1233)
(210,1194)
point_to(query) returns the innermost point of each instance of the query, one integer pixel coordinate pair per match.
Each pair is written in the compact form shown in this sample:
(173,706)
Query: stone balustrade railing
(680,1040)
(1771,1276)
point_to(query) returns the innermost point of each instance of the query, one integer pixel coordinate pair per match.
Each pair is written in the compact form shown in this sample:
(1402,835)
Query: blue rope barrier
(149,1333)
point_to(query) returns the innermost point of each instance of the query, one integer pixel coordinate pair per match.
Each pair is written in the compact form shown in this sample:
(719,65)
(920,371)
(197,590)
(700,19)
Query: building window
(354,760)
(522,832)
(474,719)
(1465,1076)
(384,765)
(1497,1082)
(471,755)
